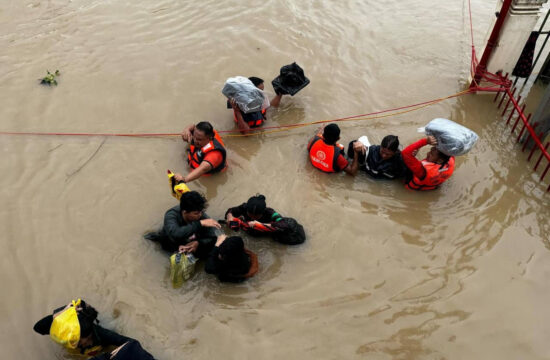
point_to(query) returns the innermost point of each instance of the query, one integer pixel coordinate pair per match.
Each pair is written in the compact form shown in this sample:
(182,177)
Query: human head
(231,248)
(437,156)
(259,83)
(389,147)
(331,134)
(192,204)
(255,207)
(203,133)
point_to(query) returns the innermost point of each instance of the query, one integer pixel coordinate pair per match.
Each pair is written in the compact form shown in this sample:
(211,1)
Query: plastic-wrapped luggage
(452,139)
(248,97)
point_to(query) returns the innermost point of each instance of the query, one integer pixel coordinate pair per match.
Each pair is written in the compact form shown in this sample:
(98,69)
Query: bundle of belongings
(289,231)
(176,187)
(182,266)
(290,80)
(452,139)
(247,96)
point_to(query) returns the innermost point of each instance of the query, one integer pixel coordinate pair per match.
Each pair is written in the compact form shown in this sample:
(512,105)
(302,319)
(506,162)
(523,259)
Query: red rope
(222,131)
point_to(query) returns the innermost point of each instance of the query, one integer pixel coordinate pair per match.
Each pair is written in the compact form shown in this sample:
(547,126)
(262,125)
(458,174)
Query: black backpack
(291,79)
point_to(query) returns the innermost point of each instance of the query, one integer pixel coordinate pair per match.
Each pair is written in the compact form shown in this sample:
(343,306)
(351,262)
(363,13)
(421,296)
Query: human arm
(43,325)
(276,100)
(235,212)
(176,232)
(110,338)
(408,155)
(212,265)
(351,169)
(203,168)
(187,133)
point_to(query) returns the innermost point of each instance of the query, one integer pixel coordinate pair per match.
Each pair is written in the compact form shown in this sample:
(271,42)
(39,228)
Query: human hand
(210,223)
(179,177)
(431,140)
(234,104)
(220,240)
(189,247)
(359,147)
(229,217)
(253,223)
(186,135)
(181,249)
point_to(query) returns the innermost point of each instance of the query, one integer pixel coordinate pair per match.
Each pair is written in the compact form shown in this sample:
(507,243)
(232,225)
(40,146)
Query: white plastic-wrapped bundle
(452,139)
(246,94)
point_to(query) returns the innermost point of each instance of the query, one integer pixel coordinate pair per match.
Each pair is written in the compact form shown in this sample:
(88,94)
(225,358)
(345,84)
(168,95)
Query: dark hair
(234,262)
(87,317)
(390,142)
(206,128)
(256,205)
(192,201)
(443,156)
(331,134)
(232,246)
(256,80)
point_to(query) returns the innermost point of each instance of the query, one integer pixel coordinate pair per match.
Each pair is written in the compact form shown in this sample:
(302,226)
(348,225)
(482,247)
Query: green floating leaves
(49,79)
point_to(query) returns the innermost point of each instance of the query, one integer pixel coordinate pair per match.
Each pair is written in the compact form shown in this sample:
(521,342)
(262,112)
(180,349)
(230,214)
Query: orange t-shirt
(214,158)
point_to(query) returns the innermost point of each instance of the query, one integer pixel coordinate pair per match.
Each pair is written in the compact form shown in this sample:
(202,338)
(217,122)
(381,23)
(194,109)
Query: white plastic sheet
(246,94)
(452,139)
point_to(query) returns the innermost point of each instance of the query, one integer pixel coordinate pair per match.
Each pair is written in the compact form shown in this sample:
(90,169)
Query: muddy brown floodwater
(457,273)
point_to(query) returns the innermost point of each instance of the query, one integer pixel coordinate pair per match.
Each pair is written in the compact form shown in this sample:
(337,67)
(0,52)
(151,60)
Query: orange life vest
(250,120)
(323,156)
(436,174)
(195,155)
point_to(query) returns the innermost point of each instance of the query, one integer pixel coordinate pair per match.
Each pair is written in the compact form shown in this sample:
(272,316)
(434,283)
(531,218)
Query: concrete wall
(521,20)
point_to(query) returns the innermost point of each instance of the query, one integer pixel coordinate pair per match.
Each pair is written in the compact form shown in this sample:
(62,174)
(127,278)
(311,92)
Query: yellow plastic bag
(177,189)
(182,267)
(65,329)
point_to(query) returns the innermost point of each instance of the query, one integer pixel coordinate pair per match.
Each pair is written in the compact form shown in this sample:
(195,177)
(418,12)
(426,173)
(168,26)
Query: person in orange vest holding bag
(206,154)
(431,172)
(328,156)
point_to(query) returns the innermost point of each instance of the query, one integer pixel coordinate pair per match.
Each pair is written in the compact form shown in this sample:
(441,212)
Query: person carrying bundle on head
(448,139)
(431,172)
(75,326)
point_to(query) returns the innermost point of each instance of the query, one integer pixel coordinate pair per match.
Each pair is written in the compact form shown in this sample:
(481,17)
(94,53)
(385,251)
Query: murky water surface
(459,273)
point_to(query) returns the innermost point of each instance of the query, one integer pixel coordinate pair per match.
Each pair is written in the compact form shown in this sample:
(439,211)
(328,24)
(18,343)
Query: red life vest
(323,156)
(250,119)
(195,155)
(436,174)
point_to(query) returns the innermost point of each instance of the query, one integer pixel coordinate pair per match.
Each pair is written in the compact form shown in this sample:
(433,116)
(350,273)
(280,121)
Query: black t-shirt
(379,168)
(269,215)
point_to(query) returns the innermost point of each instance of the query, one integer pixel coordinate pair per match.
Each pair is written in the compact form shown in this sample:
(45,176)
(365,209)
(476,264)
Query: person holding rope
(328,156)
(431,172)
(206,154)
